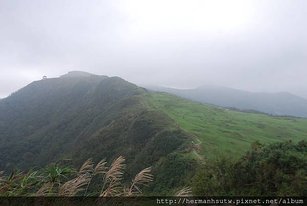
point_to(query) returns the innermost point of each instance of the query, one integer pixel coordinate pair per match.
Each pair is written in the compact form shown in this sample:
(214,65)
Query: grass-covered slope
(219,131)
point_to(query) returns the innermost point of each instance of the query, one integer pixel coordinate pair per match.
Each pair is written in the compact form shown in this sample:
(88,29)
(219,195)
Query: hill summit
(79,74)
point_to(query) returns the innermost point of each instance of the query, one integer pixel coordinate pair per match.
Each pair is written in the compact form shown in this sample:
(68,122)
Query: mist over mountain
(282,103)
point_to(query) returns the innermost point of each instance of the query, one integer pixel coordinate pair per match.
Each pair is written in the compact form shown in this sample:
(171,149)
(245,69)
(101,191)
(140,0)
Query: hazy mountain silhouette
(282,103)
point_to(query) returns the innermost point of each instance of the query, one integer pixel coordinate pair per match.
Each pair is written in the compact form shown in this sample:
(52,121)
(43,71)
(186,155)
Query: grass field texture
(219,131)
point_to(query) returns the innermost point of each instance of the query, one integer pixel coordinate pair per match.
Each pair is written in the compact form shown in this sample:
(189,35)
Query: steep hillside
(219,131)
(271,103)
(80,116)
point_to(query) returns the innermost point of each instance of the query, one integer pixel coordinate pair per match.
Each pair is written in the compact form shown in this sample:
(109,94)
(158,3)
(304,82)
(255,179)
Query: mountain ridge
(94,116)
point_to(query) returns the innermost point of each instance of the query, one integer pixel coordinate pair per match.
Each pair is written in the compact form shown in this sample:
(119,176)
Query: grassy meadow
(218,131)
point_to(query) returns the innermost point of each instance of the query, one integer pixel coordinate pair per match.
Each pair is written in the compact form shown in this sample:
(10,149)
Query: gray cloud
(260,47)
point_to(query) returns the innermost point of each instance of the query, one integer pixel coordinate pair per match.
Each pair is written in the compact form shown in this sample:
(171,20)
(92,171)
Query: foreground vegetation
(91,180)
(278,169)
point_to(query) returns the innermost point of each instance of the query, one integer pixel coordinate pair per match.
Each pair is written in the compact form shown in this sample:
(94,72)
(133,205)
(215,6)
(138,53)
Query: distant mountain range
(280,104)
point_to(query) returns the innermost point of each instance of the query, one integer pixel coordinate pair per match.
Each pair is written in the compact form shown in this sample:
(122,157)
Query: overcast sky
(258,45)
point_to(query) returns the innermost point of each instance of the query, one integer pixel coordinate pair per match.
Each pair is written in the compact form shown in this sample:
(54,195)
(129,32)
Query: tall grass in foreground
(50,181)
(55,181)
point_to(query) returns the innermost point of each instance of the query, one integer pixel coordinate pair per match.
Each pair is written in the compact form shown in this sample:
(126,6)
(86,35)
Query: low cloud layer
(251,45)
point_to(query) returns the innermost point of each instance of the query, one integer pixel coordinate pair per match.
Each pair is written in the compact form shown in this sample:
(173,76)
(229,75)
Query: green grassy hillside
(219,131)
(78,116)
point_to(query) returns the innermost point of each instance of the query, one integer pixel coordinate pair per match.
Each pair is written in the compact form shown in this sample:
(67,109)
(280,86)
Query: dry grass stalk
(114,189)
(87,167)
(113,177)
(72,187)
(116,170)
(45,189)
(101,167)
(142,178)
(184,192)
